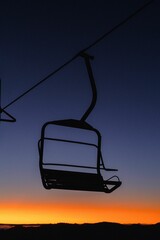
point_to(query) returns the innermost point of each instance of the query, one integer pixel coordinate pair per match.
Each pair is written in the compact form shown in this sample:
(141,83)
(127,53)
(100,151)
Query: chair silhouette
(56,175)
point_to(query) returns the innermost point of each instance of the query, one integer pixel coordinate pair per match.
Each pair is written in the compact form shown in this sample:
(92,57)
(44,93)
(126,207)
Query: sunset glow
(39,213)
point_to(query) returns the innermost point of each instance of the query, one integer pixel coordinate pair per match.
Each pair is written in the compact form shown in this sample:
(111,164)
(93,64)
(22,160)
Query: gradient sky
(36,38)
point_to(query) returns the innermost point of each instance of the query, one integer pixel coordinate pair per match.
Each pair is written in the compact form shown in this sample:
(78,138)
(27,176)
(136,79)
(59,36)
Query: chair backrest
(85,154)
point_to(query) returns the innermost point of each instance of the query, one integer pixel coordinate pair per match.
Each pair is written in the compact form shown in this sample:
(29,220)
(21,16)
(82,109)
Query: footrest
(111,185)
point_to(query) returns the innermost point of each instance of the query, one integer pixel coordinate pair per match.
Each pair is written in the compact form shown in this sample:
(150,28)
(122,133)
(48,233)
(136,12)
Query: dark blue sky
(36,38)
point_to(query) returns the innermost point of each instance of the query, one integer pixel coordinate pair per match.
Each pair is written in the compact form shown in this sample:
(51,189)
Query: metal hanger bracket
(87,59)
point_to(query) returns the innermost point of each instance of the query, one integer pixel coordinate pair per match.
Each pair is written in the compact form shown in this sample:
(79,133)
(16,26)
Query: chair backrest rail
(70,141)
(78,166)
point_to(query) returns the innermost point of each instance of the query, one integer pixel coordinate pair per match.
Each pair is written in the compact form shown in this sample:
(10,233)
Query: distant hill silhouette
(61,231)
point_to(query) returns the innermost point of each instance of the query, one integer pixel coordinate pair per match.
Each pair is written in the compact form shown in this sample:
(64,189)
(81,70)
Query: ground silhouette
(61,231)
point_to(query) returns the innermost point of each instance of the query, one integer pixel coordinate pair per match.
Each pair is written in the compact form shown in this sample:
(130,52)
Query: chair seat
(59,179)
(72,180)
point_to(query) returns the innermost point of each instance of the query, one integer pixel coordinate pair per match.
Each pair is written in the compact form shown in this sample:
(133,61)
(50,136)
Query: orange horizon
(47,213)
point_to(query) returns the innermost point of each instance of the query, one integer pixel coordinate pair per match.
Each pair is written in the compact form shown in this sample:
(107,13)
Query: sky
(37,38)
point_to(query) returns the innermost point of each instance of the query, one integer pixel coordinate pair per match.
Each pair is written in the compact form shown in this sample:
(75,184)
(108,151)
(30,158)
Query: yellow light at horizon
(29,213)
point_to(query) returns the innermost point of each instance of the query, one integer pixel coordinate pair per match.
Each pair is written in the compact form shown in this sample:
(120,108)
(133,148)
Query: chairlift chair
(56,175)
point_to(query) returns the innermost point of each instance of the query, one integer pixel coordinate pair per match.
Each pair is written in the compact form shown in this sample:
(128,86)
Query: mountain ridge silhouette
(115,231)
